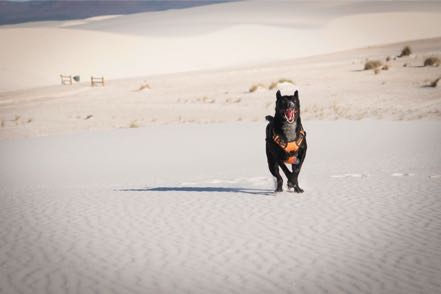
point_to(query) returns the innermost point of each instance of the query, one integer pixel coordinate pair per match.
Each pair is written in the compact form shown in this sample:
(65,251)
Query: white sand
(233,46)
(331,87)
(189,209)
(209,37)
(176,205)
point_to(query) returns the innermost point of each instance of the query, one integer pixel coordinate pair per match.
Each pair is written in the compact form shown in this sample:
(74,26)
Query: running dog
(286,141)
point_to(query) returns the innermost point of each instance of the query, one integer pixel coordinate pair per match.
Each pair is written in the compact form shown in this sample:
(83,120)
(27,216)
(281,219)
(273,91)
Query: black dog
(286,141)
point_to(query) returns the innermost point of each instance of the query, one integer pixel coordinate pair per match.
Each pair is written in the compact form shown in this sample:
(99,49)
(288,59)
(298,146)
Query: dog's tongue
(289,113)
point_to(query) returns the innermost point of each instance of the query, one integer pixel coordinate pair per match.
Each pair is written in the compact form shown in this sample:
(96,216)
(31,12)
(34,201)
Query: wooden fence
(94,81)
(66,80)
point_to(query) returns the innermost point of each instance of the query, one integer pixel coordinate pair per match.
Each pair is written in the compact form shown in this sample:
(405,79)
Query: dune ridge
(202,38)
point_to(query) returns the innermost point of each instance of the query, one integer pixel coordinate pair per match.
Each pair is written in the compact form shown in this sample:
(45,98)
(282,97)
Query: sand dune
(125,211)
(332,86)
(89,20)
(201,38)
(158,182)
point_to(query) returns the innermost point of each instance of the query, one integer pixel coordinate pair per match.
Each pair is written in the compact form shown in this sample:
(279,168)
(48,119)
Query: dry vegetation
(144,86)
(134,124)
(256,87)
(406,51)
(432,61)
(233,100)
(274,85)
(372,64)
(205,99)
(434,83)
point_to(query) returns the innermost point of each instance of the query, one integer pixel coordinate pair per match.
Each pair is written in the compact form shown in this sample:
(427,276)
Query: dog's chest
(289,130)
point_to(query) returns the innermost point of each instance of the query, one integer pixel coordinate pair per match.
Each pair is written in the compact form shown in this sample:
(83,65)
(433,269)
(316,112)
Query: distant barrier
(66,80)
(94,81)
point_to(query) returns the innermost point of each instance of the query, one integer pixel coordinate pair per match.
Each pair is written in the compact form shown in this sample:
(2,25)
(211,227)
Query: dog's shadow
(239,190)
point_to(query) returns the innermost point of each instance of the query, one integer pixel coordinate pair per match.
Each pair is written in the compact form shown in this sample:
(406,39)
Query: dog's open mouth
(289,115)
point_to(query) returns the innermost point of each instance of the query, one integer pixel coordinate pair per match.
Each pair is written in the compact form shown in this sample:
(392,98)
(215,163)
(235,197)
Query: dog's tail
(269,118)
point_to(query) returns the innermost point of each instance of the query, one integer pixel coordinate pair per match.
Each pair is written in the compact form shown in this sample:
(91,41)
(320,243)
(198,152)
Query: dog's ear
(278,95)
(295,98)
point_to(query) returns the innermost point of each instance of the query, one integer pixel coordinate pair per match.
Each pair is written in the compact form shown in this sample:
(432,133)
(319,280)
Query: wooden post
(66,79)
(96,80)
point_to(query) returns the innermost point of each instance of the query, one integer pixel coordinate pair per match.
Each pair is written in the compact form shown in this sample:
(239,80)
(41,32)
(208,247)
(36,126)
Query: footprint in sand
(349,176)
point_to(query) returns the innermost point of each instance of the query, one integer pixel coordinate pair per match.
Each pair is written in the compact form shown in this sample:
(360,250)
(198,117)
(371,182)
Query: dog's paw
(297,189)
(294,188)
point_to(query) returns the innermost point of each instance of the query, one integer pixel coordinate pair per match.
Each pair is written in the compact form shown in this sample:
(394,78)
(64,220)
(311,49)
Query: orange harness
(290,147)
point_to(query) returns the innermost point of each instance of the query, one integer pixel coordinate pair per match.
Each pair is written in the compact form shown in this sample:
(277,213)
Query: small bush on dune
(372,64)
(385,67)
(432,61)
(134,124)
(144,87)
(377,71)
(274,85)
(406,51)
(255,87)
(434,83)
(285,81)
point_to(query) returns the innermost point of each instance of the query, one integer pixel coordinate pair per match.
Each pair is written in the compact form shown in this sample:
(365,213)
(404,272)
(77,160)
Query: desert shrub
(434,83)
(273,85)
(134,124)
(255,87)
(432,61)
(406,51)
(205,99)
(285,81)
(144,86)
(377,71)
(385,67)
(372,64)
(388,59)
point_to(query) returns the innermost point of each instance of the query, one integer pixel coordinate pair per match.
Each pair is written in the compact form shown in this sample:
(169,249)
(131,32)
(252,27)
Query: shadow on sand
(264,192)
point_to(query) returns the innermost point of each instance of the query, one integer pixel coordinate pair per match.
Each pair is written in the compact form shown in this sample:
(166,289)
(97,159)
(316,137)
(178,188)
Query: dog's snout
(291,104)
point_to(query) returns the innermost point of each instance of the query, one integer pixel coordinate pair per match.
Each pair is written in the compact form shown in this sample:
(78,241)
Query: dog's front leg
(293,181)
(274,168)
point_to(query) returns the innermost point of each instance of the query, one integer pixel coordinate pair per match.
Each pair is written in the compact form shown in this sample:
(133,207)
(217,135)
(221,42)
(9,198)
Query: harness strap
(292,146)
